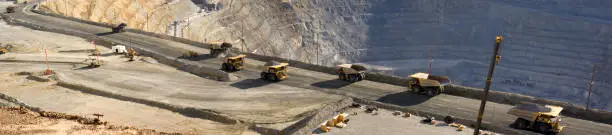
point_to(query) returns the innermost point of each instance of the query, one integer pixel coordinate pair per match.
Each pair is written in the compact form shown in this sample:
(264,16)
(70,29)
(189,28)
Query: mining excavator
(233,63)
(427,84)
(131,53)
(119,28)
(274,71)
(351,72)
(217,48)
(539,118)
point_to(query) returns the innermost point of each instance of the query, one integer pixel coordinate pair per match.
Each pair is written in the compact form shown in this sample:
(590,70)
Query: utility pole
(242,35)
(494,60)
(175,23)
(430,60)
(315,41)
(591,86)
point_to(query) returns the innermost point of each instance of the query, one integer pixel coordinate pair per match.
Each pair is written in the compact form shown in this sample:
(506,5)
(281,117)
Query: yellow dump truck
(539,118)
(274,71)
(233,63)
(427,84)
(351,72)
(217,48)
(3,50)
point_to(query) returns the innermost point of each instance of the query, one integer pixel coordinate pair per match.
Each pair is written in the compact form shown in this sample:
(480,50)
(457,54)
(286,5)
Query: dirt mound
(18,120)
(21,47)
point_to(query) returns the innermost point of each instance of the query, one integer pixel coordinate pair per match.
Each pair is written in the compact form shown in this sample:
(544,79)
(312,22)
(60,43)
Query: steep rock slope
(549,49)
(149,15)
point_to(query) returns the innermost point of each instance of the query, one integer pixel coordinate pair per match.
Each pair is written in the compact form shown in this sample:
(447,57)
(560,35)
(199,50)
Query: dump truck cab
(351,72)
(427,84)
(275,71)
(539,118)
(119,28)
(217,48)
(233,63)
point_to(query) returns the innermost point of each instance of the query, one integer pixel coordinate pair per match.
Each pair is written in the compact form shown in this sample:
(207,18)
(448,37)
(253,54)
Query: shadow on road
(199,58)
(250,83)
(405,98)
(331,84)
(77,51)
(84,68)
(108,54)
(104,34)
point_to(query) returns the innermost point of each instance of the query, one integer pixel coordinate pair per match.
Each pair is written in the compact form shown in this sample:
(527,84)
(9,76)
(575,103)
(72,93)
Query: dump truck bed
(239,56)
(279,65)
(351,68)
(529,110)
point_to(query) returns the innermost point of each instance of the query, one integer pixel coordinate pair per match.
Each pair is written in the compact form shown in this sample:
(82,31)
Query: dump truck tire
(231,67)
(272,77)
(224,67)
(542,127)
(449,119)
(431,92)
(520,123)
(263,76)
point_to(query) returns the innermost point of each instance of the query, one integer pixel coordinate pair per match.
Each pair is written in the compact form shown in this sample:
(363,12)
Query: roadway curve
(495,115)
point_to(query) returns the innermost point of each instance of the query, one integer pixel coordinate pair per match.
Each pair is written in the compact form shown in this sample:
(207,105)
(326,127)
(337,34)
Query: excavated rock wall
(149,15)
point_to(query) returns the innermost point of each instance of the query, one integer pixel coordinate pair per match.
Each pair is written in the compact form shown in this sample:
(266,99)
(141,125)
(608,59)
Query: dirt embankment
(18,121)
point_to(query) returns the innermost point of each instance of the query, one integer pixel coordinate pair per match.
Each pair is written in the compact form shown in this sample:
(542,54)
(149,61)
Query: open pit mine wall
(572,110)
(149,15)
(303,30)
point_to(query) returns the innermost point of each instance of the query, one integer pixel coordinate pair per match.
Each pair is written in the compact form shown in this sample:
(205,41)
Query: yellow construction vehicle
(427,84)
(96,52)
(274,71)
(233,63)
(119,28)
(539,118)
(3,50)
(190,54)
(131,53)
(217,48)
(350,72)
(93,62)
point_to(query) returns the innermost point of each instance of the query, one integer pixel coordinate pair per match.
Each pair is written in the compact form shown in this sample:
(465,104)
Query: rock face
(548,52)
(149,15)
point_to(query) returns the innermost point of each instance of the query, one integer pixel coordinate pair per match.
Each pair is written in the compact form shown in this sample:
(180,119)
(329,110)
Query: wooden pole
(494,60)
